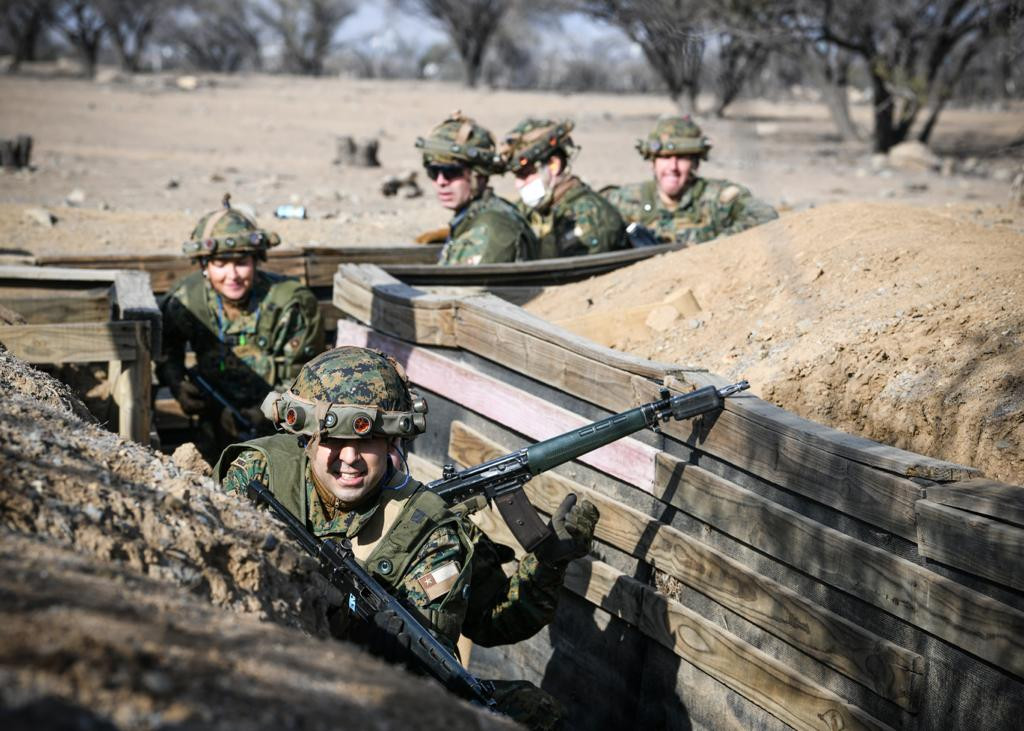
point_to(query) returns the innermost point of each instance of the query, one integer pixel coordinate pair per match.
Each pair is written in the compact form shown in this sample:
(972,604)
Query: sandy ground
(897,323)
(149,159)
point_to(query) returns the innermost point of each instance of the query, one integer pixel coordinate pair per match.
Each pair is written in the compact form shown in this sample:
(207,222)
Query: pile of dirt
(136,595)
(897,323)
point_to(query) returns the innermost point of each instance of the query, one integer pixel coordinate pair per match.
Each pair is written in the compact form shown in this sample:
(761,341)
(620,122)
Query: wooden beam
(322,261)
(851,447)
(373,297)
(987,497)
(626,459)
(882,666)
(965,618)
(134,300)
(787,695)
(872,495)
(971,542)
(131,388)
(73,343)
(42,306)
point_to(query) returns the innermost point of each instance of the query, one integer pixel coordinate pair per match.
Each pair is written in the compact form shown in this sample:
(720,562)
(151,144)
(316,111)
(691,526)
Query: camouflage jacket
(441,563)
(708,209)
(245,358)
(488,231)
(576,221)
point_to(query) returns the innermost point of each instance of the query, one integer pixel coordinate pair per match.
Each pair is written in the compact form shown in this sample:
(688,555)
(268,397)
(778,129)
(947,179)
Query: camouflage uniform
(404,535)
(488,230)
(707,209)
(262,348)
(571,219)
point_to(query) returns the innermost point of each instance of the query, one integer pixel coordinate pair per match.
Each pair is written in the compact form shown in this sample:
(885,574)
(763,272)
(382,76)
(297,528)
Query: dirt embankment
(137,596)
(900,324)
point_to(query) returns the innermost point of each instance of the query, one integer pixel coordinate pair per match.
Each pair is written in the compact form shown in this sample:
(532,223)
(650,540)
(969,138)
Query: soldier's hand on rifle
(572,527)
(383,636)
(190,396)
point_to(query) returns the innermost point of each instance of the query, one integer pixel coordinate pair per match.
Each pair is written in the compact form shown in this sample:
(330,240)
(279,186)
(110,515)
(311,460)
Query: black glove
(190,396)
(383,637)
(572,528)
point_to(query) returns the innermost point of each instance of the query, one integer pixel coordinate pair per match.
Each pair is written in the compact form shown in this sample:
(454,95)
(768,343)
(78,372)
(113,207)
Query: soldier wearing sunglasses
(459,156)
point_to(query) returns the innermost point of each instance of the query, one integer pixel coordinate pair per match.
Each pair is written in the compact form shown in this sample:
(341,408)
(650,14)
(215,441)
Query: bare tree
(23,24)
(131,24)
(669,33)
(82,24)
(219,35)
(305,29)
(470,24)
(915,52)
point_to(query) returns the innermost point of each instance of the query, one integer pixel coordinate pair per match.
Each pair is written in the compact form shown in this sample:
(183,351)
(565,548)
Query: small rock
(269,543)
(187,458)
(913,155)
(915,187)
(41,216)
(661,318)
(75,197)
(187,83)
(879,161)
(1002,175)
(173,183)
(104,206)
(157,682)
(948,167)
(215,178)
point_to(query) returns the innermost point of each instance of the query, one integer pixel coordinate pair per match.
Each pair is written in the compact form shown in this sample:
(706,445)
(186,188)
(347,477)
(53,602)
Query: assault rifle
(501,480)
(248,428)
(367,598)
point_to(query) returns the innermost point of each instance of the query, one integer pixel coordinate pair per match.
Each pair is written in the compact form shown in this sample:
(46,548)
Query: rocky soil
(137,596)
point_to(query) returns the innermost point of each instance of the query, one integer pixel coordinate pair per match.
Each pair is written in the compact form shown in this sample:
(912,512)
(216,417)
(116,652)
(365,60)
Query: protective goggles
(450,171)
(343,421)
(257,240)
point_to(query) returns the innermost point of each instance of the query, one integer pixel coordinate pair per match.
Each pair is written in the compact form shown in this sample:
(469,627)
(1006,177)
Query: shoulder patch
(729,194)
(439,581)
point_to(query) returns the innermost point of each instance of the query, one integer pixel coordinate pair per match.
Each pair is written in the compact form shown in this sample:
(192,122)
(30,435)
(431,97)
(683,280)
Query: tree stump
(361,153)
(17,153)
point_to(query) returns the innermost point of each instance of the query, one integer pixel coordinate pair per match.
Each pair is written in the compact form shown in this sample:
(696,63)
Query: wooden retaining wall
(88,316)
(753,569)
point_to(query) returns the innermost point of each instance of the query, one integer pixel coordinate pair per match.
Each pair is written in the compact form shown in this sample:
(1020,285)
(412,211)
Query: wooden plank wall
(853,673)
(86,316)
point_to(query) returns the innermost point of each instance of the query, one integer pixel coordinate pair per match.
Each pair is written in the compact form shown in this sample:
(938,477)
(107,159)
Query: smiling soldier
(337,467)
(251,330)
(677,205)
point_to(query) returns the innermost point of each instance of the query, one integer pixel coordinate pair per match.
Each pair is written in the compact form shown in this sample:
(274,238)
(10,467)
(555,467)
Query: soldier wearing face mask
(568,217)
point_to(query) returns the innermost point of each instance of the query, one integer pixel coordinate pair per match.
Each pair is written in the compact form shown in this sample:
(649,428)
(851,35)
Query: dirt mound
(901,324)
(136,595)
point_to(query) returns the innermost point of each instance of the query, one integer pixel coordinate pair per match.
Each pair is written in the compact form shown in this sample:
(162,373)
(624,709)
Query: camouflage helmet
(228,232)
(674,136)
(535,140)
(459,139)
(349,393)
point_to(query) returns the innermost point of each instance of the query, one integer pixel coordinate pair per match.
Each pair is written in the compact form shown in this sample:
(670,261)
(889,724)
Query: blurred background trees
(909,59)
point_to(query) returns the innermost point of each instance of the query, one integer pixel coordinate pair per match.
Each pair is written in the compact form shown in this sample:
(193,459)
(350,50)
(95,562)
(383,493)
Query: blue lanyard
(220,327)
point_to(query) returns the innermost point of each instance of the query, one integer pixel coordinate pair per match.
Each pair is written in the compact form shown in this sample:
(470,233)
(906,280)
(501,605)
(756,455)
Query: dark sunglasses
(450,172)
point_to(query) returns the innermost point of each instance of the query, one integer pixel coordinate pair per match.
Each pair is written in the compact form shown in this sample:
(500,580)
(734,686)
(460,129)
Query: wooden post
(131,388)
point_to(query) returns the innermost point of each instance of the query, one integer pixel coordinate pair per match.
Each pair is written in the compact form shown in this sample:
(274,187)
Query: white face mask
(533,192)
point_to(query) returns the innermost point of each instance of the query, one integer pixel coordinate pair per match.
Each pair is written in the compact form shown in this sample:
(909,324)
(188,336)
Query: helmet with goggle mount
(672,136)
(349,393)
(459,139)
(535,140)
(227,232)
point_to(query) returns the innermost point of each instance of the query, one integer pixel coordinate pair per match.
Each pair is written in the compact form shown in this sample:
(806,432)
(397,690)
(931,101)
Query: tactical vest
(393,537)
(282,292)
